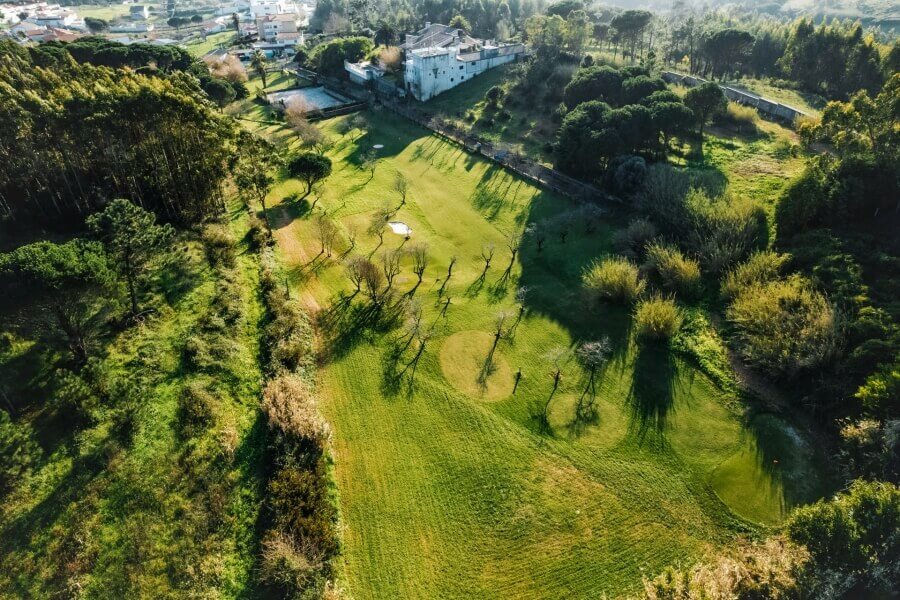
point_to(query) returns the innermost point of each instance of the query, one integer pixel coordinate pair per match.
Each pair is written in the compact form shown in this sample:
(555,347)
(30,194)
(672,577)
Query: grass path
(450,490)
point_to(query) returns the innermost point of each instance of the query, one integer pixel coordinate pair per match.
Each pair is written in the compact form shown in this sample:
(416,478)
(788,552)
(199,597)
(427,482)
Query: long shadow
(84,470)
(790,463)
(651,398)
(345,324)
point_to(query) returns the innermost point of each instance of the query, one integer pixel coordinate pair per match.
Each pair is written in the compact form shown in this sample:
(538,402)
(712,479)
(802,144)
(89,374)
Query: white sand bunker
(400,228)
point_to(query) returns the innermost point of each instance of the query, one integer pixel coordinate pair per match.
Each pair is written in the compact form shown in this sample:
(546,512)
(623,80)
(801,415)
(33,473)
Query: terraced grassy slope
(448,486)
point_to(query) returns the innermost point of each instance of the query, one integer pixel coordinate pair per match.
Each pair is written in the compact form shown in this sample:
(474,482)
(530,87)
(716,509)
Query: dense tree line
(75,136)
(145,58)
(838,220)
(615,112)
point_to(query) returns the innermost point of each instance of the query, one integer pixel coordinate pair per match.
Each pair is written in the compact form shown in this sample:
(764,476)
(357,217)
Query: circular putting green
(465,365)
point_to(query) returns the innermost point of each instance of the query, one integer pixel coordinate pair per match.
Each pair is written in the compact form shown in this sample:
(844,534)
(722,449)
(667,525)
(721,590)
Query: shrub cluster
(18,452)
(633,239)
(288,333)
(719,230)
(615,279)
(743,118)
(212,344)
(783,326)
(775,568)
(301,541)
(291,408)
(657,319)
(220,245)
(760,268)
(675,272)
(195,409)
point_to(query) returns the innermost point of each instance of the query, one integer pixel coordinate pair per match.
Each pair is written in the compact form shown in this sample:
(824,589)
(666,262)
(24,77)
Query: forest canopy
(73,136)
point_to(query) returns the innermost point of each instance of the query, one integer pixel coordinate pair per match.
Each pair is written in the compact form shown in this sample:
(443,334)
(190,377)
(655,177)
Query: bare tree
(500,332)
(373,281)
(557,356)
(311,136)
(359,123)
(327,233)
(513,242)
(369,162)
(390,264)
(447,278)
(356,271)
(413,310)
(401,186)
(420,259)
(538,231)
(592,355)
(379,221)
(352,234)
(521,297)
(487,254)
(424,336)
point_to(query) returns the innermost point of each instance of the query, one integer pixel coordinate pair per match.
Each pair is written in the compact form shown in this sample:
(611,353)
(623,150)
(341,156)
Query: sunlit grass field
(449,486)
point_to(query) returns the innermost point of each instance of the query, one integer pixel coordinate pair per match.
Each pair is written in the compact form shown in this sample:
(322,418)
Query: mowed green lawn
(448,487)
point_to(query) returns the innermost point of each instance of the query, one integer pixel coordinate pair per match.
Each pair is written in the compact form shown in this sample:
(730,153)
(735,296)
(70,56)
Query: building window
(451,80)
(461,67)
(473,63)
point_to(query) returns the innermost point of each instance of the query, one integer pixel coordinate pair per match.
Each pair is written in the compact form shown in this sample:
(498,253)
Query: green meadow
(450,483)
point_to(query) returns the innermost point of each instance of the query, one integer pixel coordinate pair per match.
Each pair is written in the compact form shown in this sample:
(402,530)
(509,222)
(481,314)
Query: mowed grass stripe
(446,494)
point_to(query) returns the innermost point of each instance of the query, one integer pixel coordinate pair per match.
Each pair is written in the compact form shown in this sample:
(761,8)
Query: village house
(440,57)
(282,29)
(260,8)
(139,12)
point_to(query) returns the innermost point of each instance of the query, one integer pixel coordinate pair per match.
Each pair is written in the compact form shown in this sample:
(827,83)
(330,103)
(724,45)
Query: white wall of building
(430,71)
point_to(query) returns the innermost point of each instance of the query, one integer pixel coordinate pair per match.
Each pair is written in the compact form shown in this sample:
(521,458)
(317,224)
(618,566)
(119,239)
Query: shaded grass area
(528,130)
(450,485)
(147,510)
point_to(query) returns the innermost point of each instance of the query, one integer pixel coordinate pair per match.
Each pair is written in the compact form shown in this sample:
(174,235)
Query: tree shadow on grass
(345,324)
(651,397)
(84,469)
(494,192)
(788,460)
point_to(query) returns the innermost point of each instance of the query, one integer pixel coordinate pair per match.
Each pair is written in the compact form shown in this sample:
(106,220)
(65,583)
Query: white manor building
(440,57)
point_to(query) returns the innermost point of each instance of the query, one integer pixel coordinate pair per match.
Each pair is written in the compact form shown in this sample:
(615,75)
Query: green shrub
(663,198)
(634,238)
(18,452)
(677,273)
(774,569)
(852,540)
(195,408)
(743,118)
(220,246)
(257,234)
(657,319)
(880,394)
(783,327)
(289,333)
(871,449)
(615,279)
(761,267)
(725,230)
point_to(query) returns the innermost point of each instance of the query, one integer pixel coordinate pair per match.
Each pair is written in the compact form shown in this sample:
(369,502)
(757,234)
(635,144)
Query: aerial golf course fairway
(448,485)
